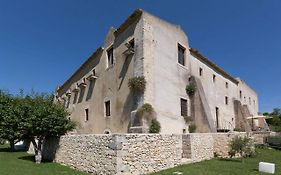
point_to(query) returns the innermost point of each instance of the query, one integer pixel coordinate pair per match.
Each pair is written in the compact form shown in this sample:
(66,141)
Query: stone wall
(202,146)
(116,154)
(149,153)
(222,140)
(137,153)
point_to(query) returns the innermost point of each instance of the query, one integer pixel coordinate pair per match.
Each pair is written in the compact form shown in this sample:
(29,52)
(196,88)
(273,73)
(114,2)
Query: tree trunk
(37,150)
(12,145)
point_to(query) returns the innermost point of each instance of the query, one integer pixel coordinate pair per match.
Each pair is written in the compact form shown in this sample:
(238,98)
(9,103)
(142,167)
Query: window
(217,117)
(226,100)
(107,108)
(183,107)
(226,84)
(214,78)
(110,59)
(200,71)
(132,44)
(86,114)
(240,92)
(181,57)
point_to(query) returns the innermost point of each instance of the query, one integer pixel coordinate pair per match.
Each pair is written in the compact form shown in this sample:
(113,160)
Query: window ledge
(182,66)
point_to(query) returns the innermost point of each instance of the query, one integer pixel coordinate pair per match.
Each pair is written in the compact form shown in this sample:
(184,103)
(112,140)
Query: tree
(43,119)
(242,146)
(276,112)
(11,128)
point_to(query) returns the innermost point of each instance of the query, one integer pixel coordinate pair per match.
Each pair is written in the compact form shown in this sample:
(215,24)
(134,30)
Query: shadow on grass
(229,160)
(31,158)
(255,169)
(9,150)
(28,158)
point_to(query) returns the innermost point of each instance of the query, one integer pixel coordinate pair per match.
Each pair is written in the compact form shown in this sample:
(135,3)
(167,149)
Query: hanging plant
(137,84)
(155,126)
(187,119)
(146,110)
(190,89)
(192,128)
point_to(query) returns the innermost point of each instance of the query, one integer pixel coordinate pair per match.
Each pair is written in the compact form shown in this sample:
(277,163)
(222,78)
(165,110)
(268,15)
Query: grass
(220,166)
(21,163)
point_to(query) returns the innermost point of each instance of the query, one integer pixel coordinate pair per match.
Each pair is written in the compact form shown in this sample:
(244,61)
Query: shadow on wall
(50,147)
(90,90)
(81,95)
(130,105)
(124,69)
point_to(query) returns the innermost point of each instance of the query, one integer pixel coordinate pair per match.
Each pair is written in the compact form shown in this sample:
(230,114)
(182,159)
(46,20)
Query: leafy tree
(274,119)
(11,128)
(43,119)
(276,112)
(242,146)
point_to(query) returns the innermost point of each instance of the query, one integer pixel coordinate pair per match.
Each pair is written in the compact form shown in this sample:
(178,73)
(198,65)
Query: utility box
(267,167)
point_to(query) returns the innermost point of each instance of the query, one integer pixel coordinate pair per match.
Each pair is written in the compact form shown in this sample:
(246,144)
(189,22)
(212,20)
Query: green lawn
(21,163)
(221,166)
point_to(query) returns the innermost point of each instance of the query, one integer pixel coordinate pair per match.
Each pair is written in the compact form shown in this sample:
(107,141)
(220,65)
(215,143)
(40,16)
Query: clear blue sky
(43,42)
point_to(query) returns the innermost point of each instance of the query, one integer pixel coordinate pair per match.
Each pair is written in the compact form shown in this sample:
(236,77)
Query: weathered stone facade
(145,45)
(137,153)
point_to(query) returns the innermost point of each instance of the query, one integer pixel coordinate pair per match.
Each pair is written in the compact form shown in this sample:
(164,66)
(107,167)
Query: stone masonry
(137,153)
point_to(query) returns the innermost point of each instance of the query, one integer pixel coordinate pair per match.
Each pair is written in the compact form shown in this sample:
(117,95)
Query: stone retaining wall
(137,153)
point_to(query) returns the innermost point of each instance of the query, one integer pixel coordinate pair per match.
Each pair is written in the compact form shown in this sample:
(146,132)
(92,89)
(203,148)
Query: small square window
(181,53)
(110,59)
(107,108)
(86,114)
(200,71)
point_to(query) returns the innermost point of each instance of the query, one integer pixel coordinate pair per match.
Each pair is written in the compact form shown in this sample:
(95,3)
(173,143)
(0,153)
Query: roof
(216,68)
(130,20)
(93,56)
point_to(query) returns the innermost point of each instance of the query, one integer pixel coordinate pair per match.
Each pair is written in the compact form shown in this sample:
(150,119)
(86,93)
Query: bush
(146,108)
(242,146)
(190,89)
(192,128)
(238,129)
(187,119)
(137,84)
(275,122)
(2,141)
(155,126)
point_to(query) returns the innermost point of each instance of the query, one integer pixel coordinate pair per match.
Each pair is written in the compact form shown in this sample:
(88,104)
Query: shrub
(137,84)
(192,128)
(187,119)
(2,141)
(190,89)
(242,146)
(238,129)
(155,126)
(145,108)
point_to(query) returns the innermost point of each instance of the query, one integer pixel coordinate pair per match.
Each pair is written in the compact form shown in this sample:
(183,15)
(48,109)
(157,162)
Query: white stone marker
(267,167)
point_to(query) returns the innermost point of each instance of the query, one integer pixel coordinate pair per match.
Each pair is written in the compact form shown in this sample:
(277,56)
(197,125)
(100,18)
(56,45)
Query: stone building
(99,99)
